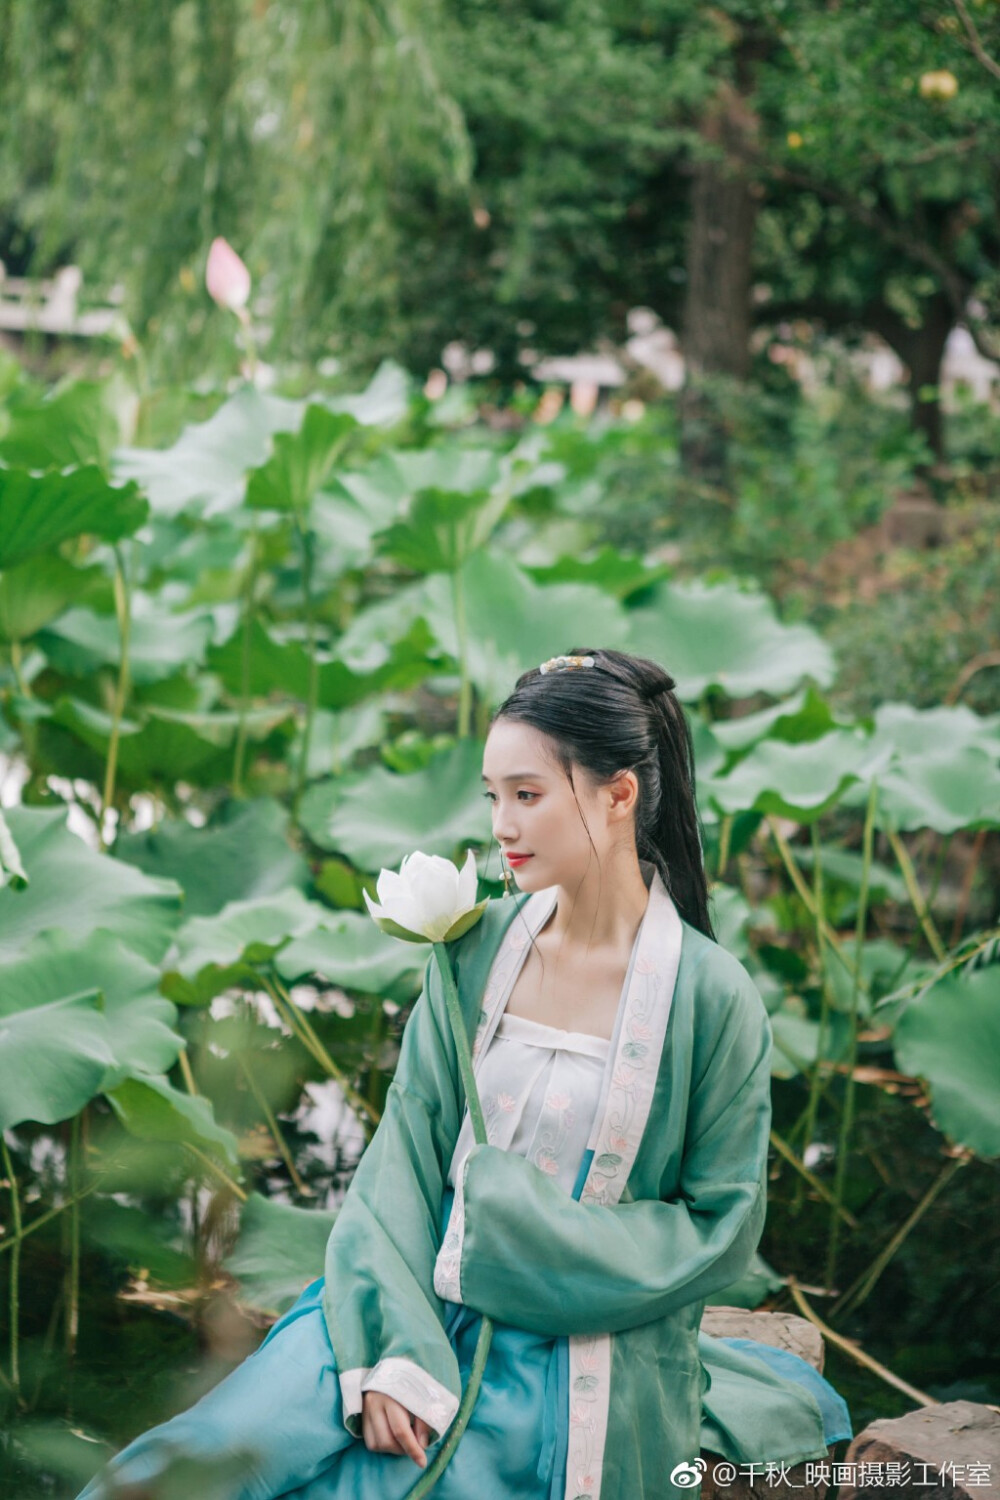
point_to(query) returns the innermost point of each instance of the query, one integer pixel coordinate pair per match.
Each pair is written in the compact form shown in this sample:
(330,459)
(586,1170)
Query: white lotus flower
(428,901)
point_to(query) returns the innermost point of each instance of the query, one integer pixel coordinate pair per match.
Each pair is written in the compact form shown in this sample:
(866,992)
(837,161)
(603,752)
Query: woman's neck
(602,912)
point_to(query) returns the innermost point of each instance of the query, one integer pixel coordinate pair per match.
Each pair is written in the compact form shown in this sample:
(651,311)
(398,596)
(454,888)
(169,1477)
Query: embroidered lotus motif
(558,1101)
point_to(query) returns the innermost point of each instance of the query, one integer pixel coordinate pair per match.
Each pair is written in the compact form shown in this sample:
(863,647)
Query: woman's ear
(623,793)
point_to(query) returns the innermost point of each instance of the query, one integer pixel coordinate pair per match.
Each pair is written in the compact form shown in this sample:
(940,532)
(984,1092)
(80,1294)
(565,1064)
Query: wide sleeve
(532,1256)
(385,1320)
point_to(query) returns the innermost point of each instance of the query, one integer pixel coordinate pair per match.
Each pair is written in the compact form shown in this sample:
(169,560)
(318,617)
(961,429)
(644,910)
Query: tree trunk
(715,327)
(921,351)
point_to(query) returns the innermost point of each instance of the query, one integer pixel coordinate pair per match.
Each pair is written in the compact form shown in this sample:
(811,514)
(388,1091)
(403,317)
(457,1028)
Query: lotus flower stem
(847,1117)
(442,1458)
(461,1042)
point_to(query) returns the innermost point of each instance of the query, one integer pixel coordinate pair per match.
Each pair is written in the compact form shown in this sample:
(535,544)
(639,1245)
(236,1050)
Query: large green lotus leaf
(153,1110)
(343,535)
(206,468)
(378,490)
(957,789)
(168,745)
(367,644)
(209,949)
(242,856)
(337,737)
(617,573)
(709,756)
(914,732)
(800,781)
(805,716)
(52,1059)
(513,624)
(76,425)
(12,871)
(949,1034)
(376,816)
(36,591)
(280,1249)
(38,511)
(384,401)
(138,1020)
(718,635)
(75,888)
(349,951)
(283,667)
(161,641)
(301,462)
(442,529)
(449,469)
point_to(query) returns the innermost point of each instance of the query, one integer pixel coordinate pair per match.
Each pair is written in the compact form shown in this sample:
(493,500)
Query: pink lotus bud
(226,277)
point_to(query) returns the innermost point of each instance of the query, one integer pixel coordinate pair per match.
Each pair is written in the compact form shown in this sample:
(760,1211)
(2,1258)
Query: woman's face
(534,810)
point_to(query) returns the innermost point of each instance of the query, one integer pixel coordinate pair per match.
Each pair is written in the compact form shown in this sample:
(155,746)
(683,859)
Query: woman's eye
(491,795)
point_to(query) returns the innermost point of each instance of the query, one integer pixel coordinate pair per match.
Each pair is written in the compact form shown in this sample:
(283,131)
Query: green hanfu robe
(670,1213)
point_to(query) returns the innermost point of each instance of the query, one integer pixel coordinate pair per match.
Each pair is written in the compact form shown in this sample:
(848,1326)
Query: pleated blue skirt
(274,1427)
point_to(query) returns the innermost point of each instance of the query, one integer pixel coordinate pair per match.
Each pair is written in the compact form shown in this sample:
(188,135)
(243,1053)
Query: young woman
(623,1062)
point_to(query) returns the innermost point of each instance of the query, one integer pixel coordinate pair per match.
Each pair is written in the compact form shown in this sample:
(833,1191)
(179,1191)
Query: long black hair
(622,714)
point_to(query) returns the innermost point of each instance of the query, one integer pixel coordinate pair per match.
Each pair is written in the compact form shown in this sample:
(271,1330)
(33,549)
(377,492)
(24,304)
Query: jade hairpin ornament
(430,901)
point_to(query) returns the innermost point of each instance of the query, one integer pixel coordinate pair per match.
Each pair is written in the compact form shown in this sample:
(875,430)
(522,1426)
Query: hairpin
(565,663)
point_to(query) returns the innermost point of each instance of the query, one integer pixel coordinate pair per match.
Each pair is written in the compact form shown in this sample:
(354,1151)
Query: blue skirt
(274,1427)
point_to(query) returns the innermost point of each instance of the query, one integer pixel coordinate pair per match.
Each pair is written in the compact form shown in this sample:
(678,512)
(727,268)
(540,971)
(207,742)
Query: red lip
(517,859)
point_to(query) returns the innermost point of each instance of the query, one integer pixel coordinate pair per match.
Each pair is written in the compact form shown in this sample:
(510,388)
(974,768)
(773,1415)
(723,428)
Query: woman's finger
(382,1440)
(399,1423)
(423,1432)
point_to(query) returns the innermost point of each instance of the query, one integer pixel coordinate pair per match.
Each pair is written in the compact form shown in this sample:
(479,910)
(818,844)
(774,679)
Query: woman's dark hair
(622,714)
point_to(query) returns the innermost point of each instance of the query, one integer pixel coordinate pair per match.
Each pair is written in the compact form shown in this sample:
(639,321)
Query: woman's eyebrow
(517,776)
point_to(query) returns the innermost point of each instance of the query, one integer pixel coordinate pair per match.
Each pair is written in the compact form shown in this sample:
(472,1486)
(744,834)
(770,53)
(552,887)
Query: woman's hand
(387,1427)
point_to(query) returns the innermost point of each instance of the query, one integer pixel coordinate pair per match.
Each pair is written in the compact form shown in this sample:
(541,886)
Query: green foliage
(277,679)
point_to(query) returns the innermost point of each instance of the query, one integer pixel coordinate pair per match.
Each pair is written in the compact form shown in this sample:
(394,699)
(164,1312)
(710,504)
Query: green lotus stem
(819,914)
(442,1458)
(864,1284)
(303,1029)
(124,613)
(15,1269)
(847,1118)
(73,1270)
(313,682)
(795,875)
(725,836)
(239,753)
(816,1183)
(53,1213)
(462,631)
(213,1166)
(916,897)
(273,1127)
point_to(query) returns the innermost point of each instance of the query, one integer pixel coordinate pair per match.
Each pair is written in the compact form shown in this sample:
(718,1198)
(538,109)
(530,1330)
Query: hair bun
(665,685)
